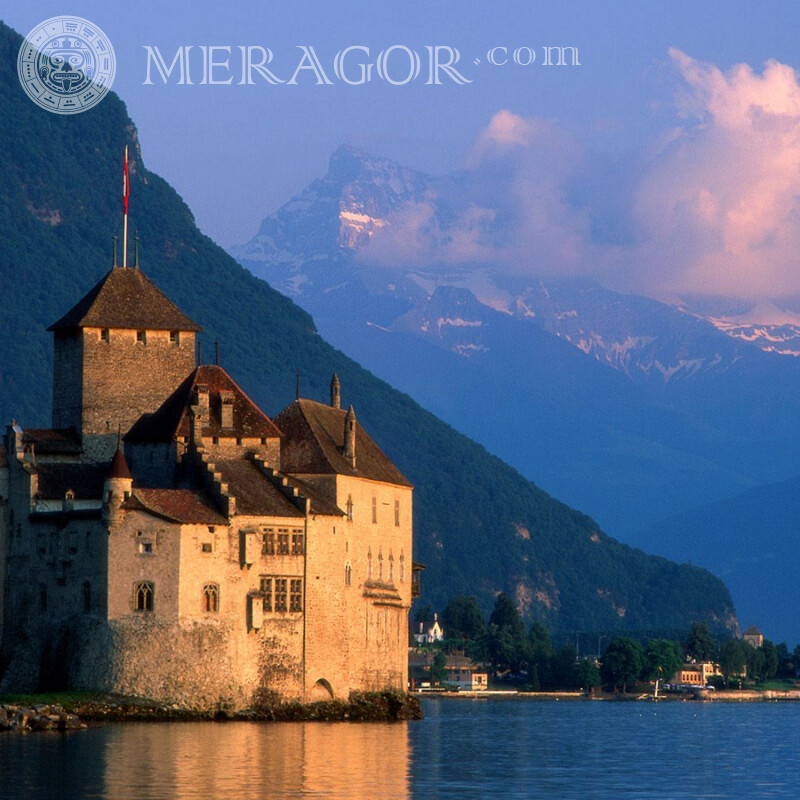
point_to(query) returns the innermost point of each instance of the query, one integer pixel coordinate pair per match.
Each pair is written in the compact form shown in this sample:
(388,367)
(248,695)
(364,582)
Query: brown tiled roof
(86,480)
(319,504)
(125,298)
(53,440)
(255,494)
(172,418)
(313,441)
(176,505)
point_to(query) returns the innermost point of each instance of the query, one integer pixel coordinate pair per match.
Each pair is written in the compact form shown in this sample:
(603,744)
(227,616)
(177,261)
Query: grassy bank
(20,710)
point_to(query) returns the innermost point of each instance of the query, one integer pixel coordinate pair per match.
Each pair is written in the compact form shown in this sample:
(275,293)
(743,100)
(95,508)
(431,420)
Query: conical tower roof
(119,466)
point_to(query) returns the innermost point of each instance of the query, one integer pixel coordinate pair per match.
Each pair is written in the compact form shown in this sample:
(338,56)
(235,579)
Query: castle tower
(119,353)
(117,486)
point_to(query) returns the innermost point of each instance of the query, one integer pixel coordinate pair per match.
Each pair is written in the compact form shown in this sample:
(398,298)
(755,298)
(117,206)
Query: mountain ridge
(480,527)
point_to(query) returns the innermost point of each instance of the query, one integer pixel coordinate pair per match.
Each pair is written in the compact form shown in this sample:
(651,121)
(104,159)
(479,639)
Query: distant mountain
(480,527)
(630,408)
(771,325)
(750,541)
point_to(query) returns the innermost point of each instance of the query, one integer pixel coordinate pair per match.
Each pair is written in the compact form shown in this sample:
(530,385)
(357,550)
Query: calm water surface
(463,749)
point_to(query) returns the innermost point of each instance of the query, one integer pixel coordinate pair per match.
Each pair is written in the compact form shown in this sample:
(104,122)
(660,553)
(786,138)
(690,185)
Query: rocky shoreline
(75,712)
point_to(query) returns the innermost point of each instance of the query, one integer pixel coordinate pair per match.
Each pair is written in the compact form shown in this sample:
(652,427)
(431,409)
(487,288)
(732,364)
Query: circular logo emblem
(66,65)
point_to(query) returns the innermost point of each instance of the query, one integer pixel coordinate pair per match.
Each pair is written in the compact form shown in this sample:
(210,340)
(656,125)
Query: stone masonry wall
(124,378)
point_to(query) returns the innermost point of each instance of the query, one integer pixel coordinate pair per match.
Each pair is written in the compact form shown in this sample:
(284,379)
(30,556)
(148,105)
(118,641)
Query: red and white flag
(125,186)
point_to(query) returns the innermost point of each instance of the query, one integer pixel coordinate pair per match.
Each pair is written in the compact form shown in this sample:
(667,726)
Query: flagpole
(125,215)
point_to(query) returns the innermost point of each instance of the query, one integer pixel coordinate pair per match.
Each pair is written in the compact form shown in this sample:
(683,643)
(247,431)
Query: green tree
(622,663)
(700,645)
(504,638)
(506,615)
(771,659)
(438,668)
(540,654)
(462,618)
(756,664)
(662,659)
(587,676)
(733,658)
(796,660)
(505,649)
(785,661)
(562,670)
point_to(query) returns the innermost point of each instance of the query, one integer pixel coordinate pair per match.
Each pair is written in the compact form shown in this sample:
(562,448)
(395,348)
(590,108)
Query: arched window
(391,567)
(369,563)
(380,565)
(143,596)
(86,593)
(348,573)
(211,598)
(402,567)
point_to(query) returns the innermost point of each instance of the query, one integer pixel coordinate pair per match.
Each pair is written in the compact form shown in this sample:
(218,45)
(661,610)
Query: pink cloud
(718,207)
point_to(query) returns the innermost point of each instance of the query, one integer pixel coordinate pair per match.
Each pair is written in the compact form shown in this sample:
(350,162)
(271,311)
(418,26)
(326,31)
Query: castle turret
(336,392)
(118,485)
(349,449)
(119,353)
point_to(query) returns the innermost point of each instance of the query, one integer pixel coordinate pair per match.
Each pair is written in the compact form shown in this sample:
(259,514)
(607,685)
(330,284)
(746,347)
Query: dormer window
(140,337)
(105,335)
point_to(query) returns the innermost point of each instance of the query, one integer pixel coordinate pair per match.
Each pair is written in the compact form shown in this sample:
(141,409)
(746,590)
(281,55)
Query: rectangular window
(280,594)
(297,543)
(104,335)
(397,512)
(266,593)
(283,542)
(145,548)
(268,547)
(174,337)
(296,594)
(140,337)
(374,510)
(207,547)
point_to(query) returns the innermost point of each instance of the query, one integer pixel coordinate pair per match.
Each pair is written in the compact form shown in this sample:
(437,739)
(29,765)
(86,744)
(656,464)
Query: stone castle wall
(357,634)
(120,379)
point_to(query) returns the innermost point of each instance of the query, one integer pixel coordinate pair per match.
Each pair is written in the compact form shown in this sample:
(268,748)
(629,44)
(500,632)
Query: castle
(165,538)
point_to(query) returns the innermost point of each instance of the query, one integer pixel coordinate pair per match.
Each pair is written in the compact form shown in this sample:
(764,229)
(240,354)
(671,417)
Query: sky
(668,161)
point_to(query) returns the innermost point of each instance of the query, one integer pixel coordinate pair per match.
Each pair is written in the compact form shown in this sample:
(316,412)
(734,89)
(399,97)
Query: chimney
(226,408)
(336,392)
(198,414)
(350,436)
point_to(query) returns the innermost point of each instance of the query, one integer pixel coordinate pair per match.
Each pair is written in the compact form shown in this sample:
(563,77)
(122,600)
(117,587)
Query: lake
(463,749)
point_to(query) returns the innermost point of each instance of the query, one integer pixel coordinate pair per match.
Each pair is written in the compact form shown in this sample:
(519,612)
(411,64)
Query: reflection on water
(234,761)
(463,750)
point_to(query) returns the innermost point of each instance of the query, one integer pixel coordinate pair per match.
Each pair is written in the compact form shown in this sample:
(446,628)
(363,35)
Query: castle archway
(321,690)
